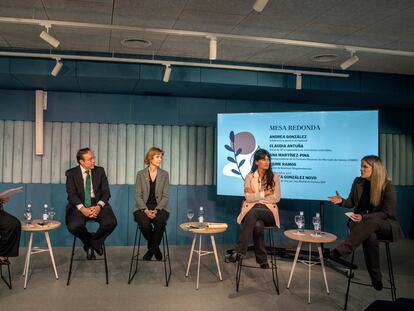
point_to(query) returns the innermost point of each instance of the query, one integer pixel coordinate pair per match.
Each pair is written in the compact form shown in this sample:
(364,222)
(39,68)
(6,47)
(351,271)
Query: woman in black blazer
(374,200)
(151,196)
(10,230)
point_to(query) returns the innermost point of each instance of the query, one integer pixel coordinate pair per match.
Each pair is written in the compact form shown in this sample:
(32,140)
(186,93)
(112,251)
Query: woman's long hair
(261,154)
(379,178)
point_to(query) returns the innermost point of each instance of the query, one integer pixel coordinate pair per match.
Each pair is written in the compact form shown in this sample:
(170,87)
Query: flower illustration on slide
(242,145)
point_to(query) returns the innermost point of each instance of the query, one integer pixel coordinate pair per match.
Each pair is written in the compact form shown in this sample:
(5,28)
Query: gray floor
(88,290)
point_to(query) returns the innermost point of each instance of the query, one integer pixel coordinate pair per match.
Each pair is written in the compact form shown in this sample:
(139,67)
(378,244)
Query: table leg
(309,268)
(294,262)
(199,259)
(323,268)
(27,263)
(49,246)
(191,254)
(213,243)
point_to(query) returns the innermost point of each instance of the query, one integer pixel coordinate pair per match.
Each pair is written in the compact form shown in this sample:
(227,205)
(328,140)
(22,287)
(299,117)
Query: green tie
(88,189)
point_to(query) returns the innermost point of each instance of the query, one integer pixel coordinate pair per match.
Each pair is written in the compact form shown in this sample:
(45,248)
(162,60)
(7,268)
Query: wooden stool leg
(294,262)
(52,257)
(27,264)
(191,254)
(213,243)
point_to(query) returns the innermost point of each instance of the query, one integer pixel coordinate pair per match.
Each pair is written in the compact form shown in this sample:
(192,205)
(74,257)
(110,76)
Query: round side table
(36,226)
(308,237)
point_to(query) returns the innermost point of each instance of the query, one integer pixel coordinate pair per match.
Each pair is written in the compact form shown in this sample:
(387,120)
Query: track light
(56,69)
(259,5)
(213,48)
(167,73)
(298,81)
(49,38)
(350,61)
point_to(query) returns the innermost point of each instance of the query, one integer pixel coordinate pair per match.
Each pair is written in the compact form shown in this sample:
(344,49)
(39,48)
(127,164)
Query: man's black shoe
(264,265)
(148,255)
(158,254)
(377,285)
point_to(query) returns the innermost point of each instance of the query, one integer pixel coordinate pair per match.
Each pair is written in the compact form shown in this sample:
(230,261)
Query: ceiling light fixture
(350,61)
(259,5)
(49,38)
(167,73)
(213,48)
(56,69)
(298,81)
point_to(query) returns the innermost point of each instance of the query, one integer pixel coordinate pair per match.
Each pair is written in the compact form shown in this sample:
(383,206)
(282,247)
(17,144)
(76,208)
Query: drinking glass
(299,223)
(190,214)
(52,213)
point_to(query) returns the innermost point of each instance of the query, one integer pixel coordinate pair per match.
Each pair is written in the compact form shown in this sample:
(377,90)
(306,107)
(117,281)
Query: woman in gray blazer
(374,201)
(151,196)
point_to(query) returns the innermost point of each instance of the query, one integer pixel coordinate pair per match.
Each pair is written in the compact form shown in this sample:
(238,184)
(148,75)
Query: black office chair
(390,274)
(9,281)
(135,257)
(273,264)
(73,253)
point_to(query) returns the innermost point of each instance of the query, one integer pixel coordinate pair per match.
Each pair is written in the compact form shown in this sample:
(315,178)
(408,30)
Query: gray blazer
(142,189)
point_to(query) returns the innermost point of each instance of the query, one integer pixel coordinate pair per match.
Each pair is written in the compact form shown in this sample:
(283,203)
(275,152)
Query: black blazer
(75,186)
(385,210)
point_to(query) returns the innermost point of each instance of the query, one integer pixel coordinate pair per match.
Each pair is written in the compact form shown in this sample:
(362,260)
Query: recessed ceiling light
(135,43)
(324,58)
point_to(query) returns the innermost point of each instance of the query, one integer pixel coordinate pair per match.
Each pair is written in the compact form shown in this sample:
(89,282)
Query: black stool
(273,264)
(390,274)
(9,281)
(71,261)
(135,257)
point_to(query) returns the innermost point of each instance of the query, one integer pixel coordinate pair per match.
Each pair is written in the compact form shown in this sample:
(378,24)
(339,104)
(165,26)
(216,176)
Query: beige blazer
(252,182)
(142,189)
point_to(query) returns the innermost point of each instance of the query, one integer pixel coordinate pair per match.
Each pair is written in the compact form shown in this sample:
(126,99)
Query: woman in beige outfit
(262,192)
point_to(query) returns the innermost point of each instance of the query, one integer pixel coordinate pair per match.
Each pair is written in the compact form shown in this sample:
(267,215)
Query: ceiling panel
(239,50)
(185,47)
(90,11)
(147,13)
(84,40)
(207,21)
(22,9)
(23,36)
(237,7)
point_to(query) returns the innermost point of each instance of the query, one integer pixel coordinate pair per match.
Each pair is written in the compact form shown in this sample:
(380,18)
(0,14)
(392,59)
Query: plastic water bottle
(201,214)
(28,214)
(317,225)
(45,214)
(301,224)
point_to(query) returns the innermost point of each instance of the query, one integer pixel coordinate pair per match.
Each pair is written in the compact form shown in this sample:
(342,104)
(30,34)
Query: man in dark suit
(88,195)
